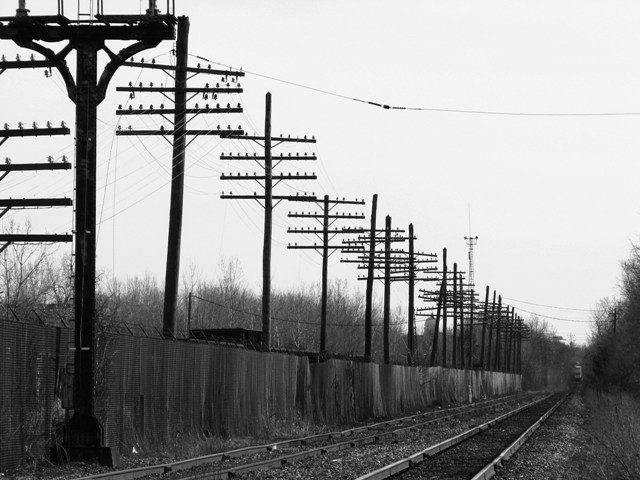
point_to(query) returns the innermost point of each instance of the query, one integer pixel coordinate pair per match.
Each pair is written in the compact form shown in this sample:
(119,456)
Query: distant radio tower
(471,241)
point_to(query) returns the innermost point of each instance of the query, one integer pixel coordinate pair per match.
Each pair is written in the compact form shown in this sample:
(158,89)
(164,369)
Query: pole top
(153,8)
(22,9)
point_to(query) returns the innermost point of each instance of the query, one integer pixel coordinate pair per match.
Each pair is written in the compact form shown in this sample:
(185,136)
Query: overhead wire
(386,106)
(167,169)
(551,306)
(286,320)
(553,318)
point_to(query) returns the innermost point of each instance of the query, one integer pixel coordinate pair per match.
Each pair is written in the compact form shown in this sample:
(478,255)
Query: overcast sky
(553,198)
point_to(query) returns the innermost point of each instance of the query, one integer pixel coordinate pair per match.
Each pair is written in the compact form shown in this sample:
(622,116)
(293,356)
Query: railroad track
(476,453)
(241,462)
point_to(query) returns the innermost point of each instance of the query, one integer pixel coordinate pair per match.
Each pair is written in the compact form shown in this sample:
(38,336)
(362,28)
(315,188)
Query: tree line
(613,356)
(36,283)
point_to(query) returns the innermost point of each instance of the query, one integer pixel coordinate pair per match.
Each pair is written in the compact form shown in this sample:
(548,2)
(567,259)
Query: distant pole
(514,348)
(498,351)
(368,321)
(444,308)
(514,340)
(505,352)
(268,224)
(471,308)
(325,268)
(434,345)
(484,326)
(172,274)
(189,316)
(493,316)
(507,339)
(615,319)
(516,344)
(454,361)
(520,326)
(462,359)
(412,281)
(387,287)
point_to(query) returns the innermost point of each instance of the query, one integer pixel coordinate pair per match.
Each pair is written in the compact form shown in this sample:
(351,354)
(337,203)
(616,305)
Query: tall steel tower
(471,241)
(84,436)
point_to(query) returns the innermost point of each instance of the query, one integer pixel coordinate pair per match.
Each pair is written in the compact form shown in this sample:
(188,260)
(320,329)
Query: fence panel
(31,361)
(152,391)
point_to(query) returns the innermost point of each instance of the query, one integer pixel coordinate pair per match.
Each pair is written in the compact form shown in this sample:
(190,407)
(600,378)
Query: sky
(520,127)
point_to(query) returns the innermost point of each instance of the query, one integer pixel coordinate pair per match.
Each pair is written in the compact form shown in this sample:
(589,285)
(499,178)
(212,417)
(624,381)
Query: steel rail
(281,461)
(406,464)
(171,467)
(490,469)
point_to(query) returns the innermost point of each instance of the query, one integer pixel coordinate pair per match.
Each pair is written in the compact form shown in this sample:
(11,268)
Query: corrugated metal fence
(154,391)
(32,358)
(159,390)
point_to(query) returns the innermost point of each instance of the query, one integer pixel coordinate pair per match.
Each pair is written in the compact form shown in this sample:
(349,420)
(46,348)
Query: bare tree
(26,273)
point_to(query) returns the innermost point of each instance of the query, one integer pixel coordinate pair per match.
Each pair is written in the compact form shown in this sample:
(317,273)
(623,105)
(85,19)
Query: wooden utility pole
(507,340)
(325,275)
(268,227)
(441,299)
(484,327)
(411,307)
(434,343)
(266,181)
(514,344)
(511,318)
(462,359)
(368,313)
(387,287)
(182,117)
(454,349)
(189,302)
(172,274)
(397,265)
(520,337)
(444,309)
(84,435)
(492,321)
(498,352)
(326,233)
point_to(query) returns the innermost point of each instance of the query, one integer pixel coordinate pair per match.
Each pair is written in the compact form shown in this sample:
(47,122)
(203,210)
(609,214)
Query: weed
(615,430)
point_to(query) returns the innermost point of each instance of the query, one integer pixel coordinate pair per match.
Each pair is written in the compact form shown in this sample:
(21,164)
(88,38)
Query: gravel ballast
(559,449)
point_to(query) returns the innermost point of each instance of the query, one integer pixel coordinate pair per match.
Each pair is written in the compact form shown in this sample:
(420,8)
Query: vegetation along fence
(153,391)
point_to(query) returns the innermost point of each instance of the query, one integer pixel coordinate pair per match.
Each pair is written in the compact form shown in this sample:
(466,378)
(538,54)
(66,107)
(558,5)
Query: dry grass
(615,433)
(199,444)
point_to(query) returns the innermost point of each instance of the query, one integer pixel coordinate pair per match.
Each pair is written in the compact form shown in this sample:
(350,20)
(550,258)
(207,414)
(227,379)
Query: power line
(551,306)
(428,109)
(287,320)
(554,318)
